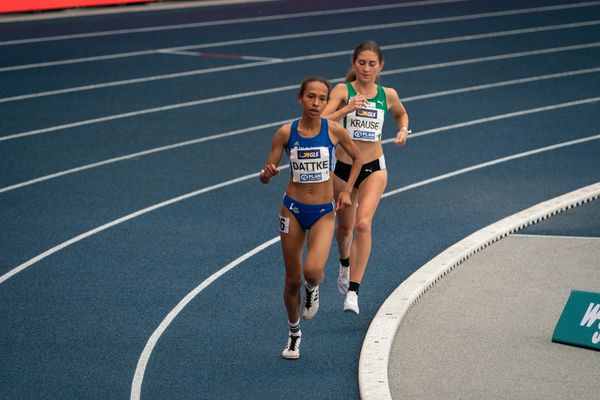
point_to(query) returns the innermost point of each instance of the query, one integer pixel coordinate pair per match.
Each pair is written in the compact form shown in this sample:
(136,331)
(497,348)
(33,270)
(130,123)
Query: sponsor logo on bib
(364,135)
(364,113)
(317,177)
(308,154)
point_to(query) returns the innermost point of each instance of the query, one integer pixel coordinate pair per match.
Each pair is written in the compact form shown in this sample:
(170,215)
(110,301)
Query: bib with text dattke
(309,164)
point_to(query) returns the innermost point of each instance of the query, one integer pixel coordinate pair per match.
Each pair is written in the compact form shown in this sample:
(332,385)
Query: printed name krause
(366,124)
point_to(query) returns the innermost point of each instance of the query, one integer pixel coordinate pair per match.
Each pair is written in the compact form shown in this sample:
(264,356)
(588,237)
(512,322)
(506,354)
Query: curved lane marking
(305,14)
(378,342)
(270,61)
(139,154)
(136,387)
(310,14)
(296,36)
(277,123)
(268,91)
(138,377)
(146,210)
(250,20)
(118,221)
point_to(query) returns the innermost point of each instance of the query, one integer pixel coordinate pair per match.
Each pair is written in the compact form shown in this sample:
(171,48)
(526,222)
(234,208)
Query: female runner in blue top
(307,211)
(362,104)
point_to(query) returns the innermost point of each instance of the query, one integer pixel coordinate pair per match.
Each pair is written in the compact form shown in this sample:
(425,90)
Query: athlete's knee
(314,276)
(343,230)
(293,284)
(363,226)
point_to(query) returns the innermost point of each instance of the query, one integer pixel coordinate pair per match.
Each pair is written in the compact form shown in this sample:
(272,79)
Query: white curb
(377,345)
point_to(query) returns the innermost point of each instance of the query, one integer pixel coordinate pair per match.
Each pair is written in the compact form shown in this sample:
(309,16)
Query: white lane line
(269,60)
(256,19)
(217,55)
(256,58)
(277,123)
(118,221)
(493,58)
(148,111)
(131,8)
(97,86)
(504,83)
(140,154)
(501,117)
(146,210)
(136,387)
(178,52)
(490,163)
(309,34)
(378,342)
(268,91)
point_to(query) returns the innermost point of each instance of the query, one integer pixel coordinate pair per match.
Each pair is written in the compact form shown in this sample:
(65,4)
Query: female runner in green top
(361,104)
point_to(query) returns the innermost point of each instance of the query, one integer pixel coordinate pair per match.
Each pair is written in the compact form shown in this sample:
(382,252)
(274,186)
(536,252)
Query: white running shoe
(311,303)
(343,280)
(292,349)
(351,302)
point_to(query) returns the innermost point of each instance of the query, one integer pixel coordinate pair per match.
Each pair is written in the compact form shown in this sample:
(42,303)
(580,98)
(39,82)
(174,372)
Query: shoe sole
(308,317)
(350,310)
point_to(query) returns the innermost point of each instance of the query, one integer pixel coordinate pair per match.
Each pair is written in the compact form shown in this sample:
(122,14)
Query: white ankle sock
(295,328)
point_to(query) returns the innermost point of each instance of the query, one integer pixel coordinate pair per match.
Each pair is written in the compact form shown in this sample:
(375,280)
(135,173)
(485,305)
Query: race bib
(366,123)
(310,165)
(284,224)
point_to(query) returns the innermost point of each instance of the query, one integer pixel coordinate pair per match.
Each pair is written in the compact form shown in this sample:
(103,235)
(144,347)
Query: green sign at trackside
(579,323)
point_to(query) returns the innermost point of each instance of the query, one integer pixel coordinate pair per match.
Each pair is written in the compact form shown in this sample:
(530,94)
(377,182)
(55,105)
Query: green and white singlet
(366,123)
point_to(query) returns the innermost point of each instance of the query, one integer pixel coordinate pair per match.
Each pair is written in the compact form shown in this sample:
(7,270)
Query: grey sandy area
(484,330)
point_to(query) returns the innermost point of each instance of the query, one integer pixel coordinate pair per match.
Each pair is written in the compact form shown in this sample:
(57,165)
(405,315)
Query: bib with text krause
(309,164)
(366,123)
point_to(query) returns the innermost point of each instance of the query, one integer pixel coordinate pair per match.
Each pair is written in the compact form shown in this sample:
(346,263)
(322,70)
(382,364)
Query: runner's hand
(358,101)
(401,137)
(343,201)
(268,172)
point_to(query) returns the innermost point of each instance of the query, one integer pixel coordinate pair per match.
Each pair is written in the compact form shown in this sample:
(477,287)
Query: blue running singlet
(310,158)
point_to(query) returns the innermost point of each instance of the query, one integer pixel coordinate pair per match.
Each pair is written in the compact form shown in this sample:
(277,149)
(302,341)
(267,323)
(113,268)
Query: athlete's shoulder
(283,133)
(285,128)
(390,92)
(391,97)
(341,89)
(334,125)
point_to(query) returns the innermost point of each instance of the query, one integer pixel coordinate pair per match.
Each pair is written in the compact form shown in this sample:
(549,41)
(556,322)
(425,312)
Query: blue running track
(138,251)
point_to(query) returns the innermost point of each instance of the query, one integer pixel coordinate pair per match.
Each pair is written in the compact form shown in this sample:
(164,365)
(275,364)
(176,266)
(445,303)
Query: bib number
(284,224)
